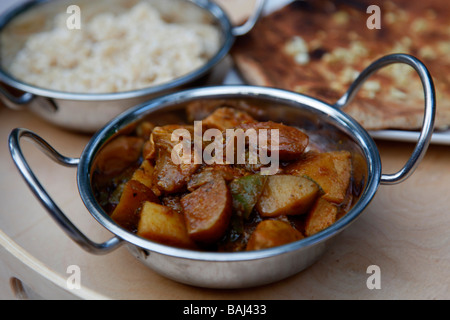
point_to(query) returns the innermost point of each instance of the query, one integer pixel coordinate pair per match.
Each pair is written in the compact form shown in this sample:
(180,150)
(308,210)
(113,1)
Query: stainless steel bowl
(90,112)
(326,124)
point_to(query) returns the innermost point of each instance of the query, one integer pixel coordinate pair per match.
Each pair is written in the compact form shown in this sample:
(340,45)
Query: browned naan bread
(318,47)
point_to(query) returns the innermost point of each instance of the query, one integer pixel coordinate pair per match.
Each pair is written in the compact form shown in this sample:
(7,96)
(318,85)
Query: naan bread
(318,47)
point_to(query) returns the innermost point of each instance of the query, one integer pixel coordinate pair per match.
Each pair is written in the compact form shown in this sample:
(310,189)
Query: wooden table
(404,231)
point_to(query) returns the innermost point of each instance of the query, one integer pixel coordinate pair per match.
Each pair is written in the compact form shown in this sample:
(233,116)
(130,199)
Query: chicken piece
(292,142)
(173,201)
(162,136)
(170,176)
(207,211)
(272,233)
(226,118)
(200,109)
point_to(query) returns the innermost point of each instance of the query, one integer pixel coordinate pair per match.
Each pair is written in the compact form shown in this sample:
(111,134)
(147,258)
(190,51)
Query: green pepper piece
(245,192)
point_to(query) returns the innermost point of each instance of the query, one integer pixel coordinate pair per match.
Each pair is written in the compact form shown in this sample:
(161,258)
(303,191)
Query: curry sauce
(173,185)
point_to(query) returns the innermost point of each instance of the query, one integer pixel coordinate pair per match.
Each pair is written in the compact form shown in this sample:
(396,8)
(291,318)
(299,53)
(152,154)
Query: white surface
(410,136)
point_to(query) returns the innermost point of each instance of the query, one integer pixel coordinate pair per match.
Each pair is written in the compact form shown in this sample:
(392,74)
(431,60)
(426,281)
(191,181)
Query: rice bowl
(114,52)
(89,111)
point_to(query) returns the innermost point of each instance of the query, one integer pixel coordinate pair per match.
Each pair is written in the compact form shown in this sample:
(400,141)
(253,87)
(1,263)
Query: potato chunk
(321,216)
(331,171)
(144,174)
(133,196)
(207,211)
(272,233)
(287,195)
(164,225)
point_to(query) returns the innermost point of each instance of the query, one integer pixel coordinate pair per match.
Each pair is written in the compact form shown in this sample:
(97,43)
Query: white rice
(114,53)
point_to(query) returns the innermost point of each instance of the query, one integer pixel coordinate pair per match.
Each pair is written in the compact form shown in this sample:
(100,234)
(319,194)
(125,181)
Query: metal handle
(51,207)
(15,103)
(429,113)
(251,21)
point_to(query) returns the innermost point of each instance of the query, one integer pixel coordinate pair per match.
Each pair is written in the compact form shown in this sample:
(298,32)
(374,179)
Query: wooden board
(404,231)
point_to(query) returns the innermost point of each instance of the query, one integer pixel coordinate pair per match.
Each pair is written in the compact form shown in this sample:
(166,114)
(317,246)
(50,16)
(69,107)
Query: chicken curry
(221,206)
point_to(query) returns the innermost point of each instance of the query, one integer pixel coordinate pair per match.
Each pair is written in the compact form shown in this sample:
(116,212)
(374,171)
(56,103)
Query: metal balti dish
(326,124)
(89,112)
